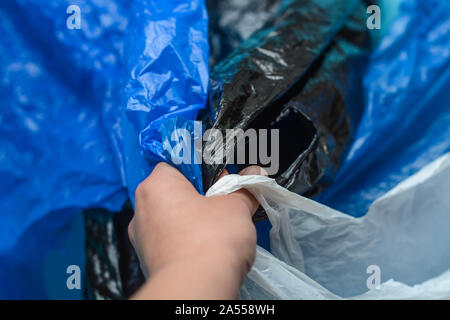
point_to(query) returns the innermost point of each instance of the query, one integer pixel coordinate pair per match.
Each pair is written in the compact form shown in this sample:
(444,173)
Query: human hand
(191,246)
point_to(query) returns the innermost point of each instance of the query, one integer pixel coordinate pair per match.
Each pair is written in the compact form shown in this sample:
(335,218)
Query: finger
(131,231)
(246,195)
(253,170)
(223,174)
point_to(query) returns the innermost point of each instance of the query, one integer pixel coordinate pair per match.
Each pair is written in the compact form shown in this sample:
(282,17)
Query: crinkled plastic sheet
(231,22)
(300,73)
(168,79)
(321,253)
(63,126)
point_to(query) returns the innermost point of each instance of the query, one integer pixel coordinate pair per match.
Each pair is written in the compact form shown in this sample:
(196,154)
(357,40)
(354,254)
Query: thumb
(243,194)
(253,170)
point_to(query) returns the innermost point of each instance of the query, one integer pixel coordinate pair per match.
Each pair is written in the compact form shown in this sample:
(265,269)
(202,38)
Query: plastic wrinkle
(321,253)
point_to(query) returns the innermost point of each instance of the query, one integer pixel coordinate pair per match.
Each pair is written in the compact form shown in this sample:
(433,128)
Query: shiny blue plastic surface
(65,114)
(406,121)
(167,79)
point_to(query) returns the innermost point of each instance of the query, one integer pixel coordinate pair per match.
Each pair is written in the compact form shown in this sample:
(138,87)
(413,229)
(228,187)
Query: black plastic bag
(301,74)
(112,266)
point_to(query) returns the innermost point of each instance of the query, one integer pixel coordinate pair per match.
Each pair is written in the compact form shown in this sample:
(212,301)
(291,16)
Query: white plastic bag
(320,253)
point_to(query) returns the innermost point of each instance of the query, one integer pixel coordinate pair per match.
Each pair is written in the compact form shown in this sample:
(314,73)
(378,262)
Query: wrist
(202,277)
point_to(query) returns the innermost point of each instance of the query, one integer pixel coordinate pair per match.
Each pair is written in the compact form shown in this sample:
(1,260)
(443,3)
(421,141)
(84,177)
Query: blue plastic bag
(58,141)
(67,142)
(168,80)
(406,122)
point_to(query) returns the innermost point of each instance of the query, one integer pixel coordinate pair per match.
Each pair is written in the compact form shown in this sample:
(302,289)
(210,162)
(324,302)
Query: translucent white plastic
(321,253)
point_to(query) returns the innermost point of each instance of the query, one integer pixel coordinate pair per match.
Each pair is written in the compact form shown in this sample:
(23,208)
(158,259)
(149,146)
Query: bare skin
(190,246)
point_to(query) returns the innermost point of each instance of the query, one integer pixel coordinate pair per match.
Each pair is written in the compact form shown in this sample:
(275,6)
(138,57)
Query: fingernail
(253,170)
